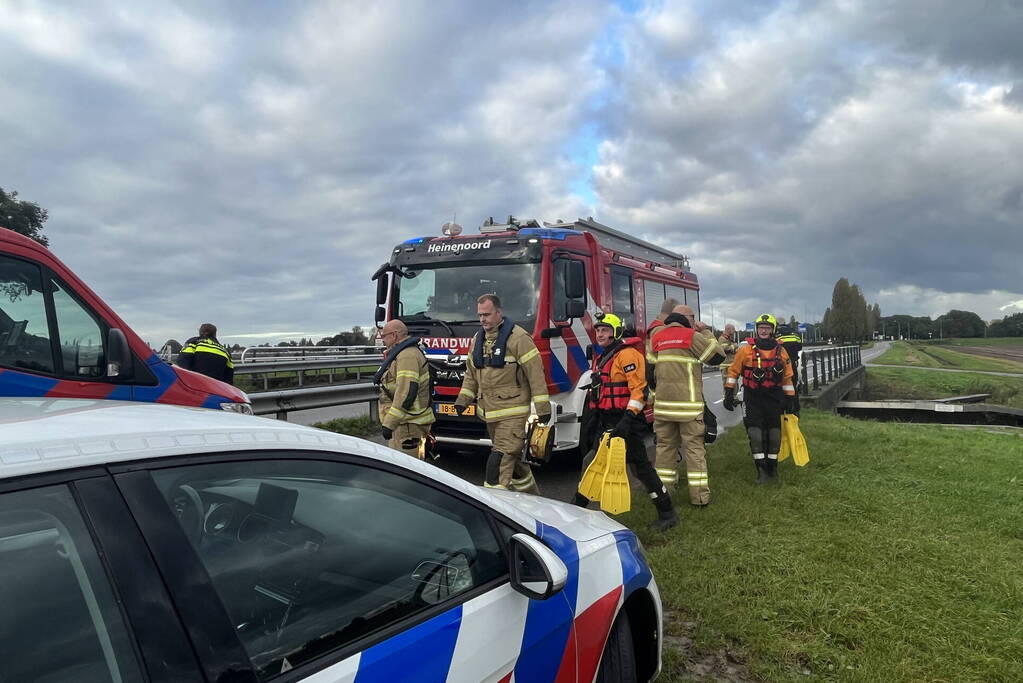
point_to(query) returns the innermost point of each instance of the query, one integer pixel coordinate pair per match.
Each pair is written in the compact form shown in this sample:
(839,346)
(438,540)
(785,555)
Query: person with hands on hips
(618,396)
(503,375)
(766,373)
(406,409)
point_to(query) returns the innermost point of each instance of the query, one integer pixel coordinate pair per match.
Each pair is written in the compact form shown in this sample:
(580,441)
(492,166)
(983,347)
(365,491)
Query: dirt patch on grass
(1013,353)
(692,664)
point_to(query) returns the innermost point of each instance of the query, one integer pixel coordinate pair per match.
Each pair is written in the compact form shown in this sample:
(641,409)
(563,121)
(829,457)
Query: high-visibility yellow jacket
(207,356)
(505,392)
(677,355)
(405,391)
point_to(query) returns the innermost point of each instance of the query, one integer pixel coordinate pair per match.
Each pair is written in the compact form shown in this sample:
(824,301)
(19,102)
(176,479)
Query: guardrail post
(803,376)
(282,415)
(374,411)
(300,378)
(266,382)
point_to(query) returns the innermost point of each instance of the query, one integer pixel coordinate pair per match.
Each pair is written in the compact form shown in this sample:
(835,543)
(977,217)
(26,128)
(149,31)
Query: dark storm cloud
(252,165)
(822,140)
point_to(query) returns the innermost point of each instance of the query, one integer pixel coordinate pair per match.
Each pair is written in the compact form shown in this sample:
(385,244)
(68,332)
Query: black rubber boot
(762,474)
(666,515)
(580,500)
(665,520)
(772,468)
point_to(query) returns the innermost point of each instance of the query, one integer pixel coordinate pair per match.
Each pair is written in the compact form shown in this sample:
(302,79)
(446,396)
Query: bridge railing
(821,367)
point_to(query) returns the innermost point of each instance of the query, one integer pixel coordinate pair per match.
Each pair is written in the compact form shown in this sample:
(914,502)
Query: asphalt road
(557,479)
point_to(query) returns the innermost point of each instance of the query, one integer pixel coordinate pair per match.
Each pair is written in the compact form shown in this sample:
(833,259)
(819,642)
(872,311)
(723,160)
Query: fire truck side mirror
(575,308)
(575,282)
(379,315)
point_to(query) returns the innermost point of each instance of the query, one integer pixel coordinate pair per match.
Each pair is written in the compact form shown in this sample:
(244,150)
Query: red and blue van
(59,339)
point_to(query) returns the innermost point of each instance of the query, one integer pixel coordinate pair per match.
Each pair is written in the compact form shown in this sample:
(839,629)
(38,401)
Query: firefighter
(766,376)
(618,396)
(678,351)
(730,346)
(793,344)
(406,409)
(205,355)
(667,306)
(503,373)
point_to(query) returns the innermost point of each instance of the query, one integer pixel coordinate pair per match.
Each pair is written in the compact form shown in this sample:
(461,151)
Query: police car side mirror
(536,571)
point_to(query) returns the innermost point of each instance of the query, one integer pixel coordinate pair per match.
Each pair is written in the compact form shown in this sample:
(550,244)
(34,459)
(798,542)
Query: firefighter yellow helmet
(767,319)
(610,320)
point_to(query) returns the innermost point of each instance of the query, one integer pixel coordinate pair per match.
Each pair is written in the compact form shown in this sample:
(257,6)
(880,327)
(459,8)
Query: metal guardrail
(263,370)
(280,403)
(274,354)
(826,365)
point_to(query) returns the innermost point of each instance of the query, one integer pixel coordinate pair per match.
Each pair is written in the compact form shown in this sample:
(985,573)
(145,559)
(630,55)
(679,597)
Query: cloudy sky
(251,163)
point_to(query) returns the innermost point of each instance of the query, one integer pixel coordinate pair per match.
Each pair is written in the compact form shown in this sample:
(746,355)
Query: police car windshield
(450,293)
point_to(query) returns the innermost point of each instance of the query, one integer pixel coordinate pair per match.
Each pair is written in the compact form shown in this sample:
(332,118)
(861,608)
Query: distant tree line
(357,336)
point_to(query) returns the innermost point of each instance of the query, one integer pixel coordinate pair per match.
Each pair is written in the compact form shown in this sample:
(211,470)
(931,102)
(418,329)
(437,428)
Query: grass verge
(893,556)
(927,355)
(360,426)
(888,383)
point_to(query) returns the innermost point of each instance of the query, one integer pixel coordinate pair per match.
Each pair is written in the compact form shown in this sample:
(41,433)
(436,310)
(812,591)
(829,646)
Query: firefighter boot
(492,478)
(761,462)
(666,515)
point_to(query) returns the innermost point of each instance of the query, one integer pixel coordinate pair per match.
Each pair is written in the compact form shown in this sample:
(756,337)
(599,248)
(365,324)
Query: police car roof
(44,434)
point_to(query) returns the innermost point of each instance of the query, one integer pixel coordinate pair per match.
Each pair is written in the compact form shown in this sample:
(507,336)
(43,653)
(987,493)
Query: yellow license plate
(449,409)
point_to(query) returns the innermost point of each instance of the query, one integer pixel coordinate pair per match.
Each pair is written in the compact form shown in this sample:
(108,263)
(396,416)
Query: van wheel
(619,661)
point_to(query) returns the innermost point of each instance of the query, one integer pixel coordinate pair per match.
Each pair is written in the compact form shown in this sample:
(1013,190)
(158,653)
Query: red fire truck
(552,279)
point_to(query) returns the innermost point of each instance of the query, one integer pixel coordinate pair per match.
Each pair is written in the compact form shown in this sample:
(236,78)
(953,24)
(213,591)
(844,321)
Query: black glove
(460,409)
(543,418)
(386,432)
(729,401)
(624,427)
(791,407)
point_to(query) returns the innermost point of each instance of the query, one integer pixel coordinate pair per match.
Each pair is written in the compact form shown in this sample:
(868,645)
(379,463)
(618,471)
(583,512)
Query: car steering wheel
(188,508)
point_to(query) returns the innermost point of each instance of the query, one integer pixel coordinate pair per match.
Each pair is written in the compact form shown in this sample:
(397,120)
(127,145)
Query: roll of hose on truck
(59,339)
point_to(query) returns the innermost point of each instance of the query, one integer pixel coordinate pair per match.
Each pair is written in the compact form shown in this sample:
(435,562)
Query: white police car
(144,542)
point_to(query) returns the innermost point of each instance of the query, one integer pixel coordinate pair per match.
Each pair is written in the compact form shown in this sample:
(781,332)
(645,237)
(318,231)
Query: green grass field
(932,355)
(894,555)
(902,383)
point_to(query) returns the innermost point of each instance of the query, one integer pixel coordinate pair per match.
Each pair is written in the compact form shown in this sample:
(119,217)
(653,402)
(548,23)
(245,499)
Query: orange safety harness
(767,370)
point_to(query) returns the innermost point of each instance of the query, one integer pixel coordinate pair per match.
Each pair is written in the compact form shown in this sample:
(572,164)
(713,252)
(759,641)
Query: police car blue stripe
(549,622)
(14,383)
(635,572)
(422,653)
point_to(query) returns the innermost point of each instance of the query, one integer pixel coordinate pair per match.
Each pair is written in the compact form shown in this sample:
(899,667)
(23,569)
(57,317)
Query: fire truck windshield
(449,293)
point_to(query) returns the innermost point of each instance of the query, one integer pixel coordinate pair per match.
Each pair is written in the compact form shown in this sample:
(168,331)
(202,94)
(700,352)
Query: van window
(25,340)
(81,339)
(24,332)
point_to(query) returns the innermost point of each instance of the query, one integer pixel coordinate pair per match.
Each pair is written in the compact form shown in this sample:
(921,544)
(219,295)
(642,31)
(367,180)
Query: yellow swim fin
(800,453)
(786,430)
(593,478)
(615,496)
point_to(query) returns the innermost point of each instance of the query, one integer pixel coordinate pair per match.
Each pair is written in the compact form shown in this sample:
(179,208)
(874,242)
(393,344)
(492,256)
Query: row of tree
(851,319)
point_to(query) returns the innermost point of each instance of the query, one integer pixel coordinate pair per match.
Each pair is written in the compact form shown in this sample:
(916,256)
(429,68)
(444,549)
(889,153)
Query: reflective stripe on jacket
(208,357)
(677,356)
(405,391)
(505,392)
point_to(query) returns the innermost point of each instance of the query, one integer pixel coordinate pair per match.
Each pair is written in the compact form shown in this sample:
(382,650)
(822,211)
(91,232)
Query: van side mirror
(575,281)
(535,570)
(120,361)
